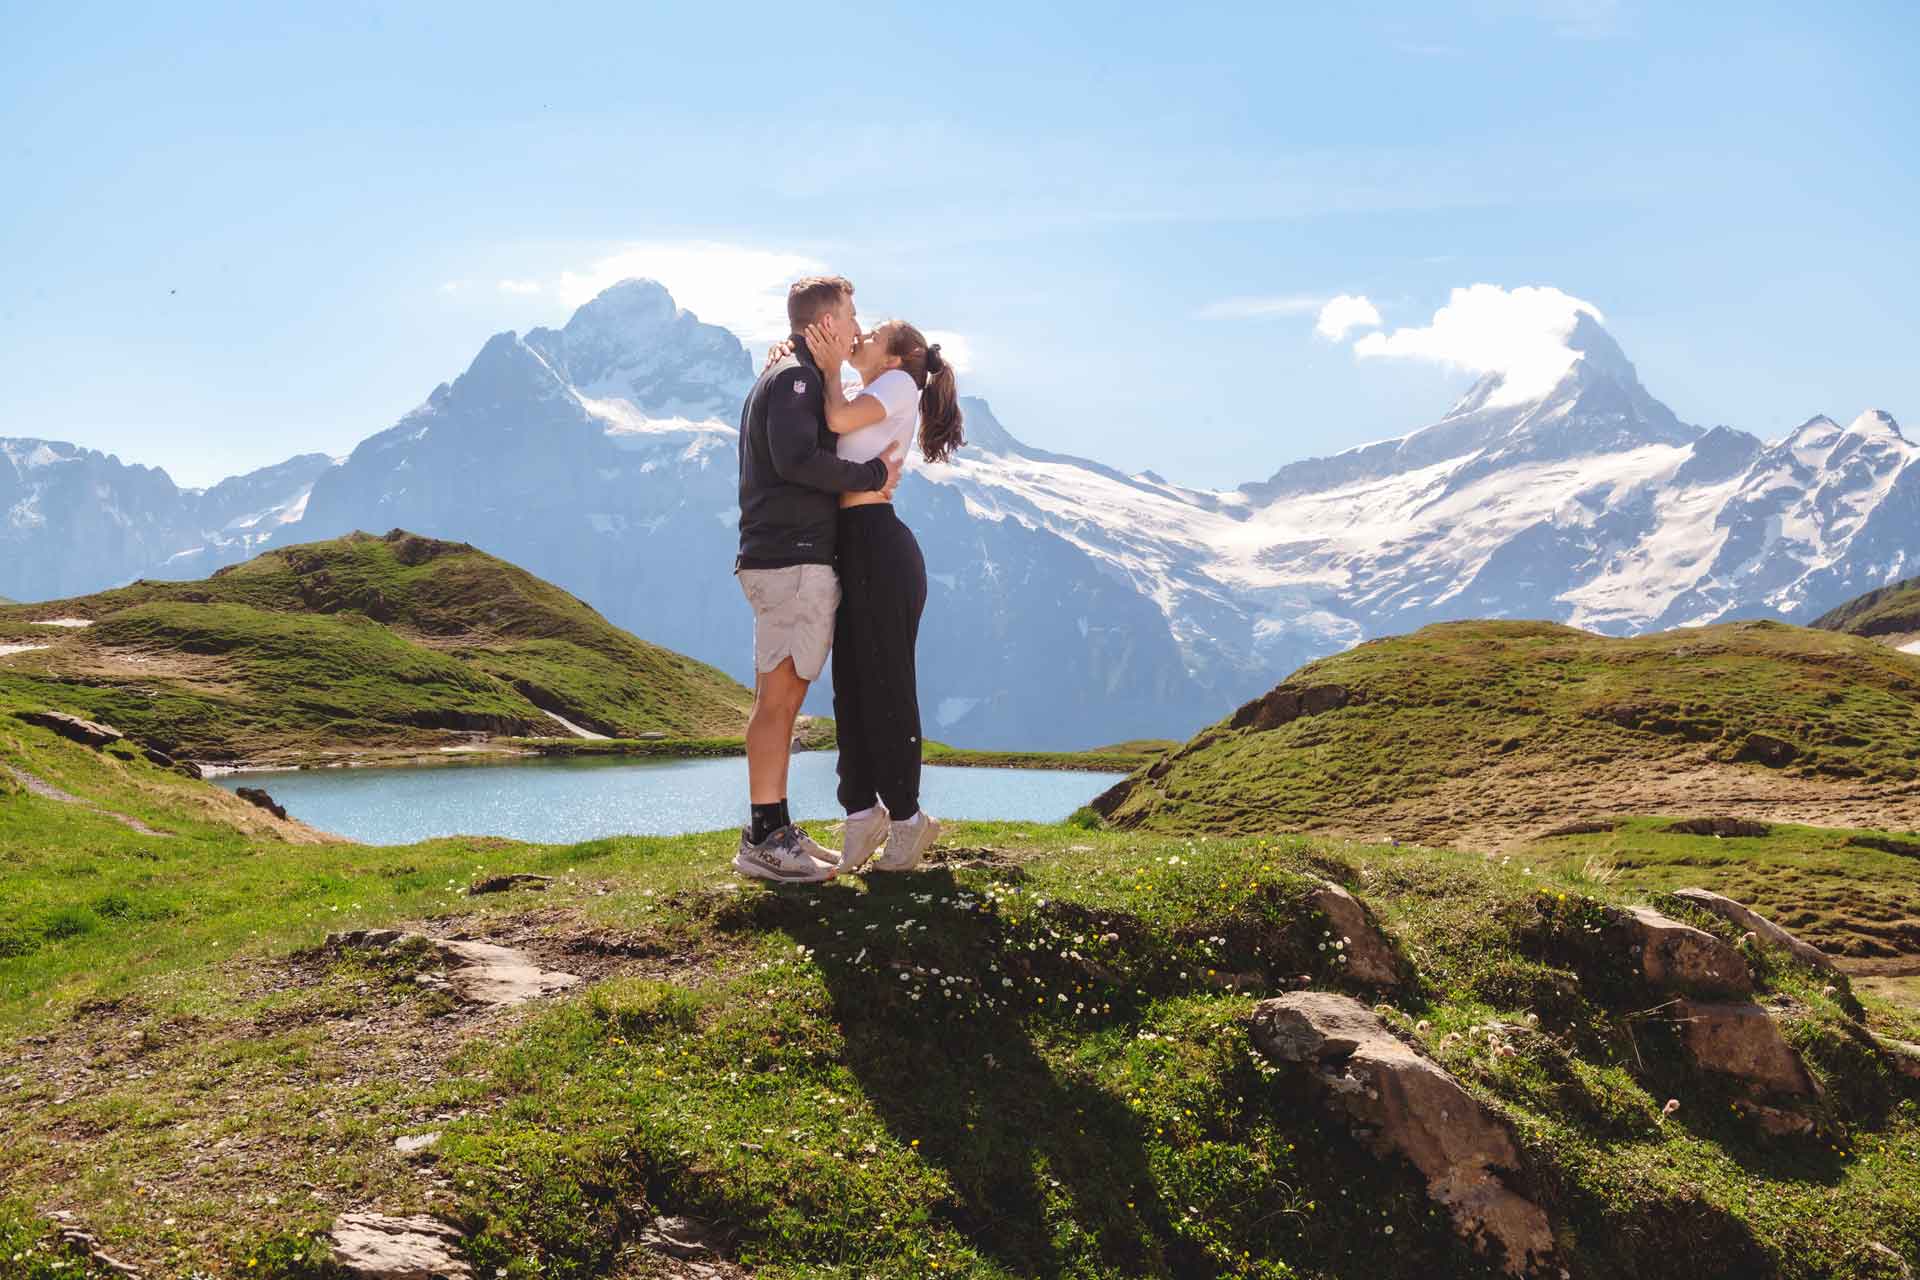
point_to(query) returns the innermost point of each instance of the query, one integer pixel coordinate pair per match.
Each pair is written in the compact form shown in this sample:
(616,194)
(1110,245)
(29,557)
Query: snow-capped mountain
(1072,604)
(78,520)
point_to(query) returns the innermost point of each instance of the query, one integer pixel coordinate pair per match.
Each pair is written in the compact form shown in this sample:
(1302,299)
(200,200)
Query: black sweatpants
(876,701)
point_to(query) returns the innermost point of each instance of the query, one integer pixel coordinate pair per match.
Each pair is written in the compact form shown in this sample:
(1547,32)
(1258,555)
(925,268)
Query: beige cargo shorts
(793,612)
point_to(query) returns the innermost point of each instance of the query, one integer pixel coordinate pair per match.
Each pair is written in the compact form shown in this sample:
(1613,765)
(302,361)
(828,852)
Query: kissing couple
(828,566)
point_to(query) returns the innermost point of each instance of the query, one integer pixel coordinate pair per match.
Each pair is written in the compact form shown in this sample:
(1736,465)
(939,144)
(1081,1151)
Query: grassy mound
(358,641)
(1027,1060)
(1891,611)
(1491,731)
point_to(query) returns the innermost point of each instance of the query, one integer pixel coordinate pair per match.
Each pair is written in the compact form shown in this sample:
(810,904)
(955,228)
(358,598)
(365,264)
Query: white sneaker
(864,834)
(908,840)
(785,856)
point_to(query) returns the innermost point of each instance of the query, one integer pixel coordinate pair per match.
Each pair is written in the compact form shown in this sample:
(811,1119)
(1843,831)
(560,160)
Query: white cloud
(1291,304)
(740,287)
(1520,334)
(453,286)
(521,286)
(1343,314)
(954,347)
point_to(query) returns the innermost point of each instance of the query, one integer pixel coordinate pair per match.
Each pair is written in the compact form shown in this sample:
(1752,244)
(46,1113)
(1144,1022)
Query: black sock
(767,819)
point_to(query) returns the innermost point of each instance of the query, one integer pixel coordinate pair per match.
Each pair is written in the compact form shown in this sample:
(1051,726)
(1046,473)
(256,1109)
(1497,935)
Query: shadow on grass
(1044,1169)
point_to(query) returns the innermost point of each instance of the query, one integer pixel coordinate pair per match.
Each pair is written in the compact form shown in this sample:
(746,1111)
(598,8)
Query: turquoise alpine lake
(556,801)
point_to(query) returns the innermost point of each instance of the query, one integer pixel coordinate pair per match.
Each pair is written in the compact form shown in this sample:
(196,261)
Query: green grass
(1119,758)
(354,643)
(1026,1060)
(1890,610)
(1431,714)
(1847,898)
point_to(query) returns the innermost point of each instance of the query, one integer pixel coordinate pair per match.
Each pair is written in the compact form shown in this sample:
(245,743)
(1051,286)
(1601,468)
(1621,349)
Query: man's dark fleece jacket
(789,477)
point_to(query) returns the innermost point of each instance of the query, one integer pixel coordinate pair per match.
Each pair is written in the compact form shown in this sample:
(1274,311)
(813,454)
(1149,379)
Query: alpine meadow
(1021,643)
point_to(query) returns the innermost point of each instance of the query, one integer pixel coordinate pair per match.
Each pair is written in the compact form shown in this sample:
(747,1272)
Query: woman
(905,384)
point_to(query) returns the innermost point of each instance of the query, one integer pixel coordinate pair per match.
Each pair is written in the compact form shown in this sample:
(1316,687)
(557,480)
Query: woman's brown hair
(940,417)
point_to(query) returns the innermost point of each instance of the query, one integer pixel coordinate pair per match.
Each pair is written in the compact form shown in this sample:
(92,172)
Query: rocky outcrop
(1678,957)
(1368,955)
(1410,1107)
(1765,931)
(374,1246)
(477,973)
(1765,749)
(1886,844)
(1725,827)
(261,800)
(512,880)
(1721,1032)
(1286,704)
(1741,1041)
(85,732)
(1903,1055)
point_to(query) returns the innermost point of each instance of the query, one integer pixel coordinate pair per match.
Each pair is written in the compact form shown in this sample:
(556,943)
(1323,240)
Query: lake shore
(818,735)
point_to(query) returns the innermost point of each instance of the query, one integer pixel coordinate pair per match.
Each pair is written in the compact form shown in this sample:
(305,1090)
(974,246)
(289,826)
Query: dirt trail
(47,791)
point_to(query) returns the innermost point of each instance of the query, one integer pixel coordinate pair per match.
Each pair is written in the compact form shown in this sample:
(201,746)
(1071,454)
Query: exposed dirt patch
(989,859)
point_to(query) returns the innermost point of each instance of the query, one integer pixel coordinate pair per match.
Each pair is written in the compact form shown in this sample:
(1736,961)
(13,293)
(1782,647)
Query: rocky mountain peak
(1875,422)
(633,343)
(634,309)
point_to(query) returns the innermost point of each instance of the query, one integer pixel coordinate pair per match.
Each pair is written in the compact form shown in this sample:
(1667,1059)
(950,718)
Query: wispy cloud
(1291,304)
(1569,19)
(521,286)
(1583,19)
(1345,313)
(1520,334)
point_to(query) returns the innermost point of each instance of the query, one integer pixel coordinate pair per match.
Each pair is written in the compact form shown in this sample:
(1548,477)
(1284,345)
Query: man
(790,482)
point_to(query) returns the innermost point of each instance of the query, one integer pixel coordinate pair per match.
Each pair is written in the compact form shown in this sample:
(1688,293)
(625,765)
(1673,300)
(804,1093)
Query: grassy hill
(1029,1060)
(1890,614)
(354,643)
(1490,732)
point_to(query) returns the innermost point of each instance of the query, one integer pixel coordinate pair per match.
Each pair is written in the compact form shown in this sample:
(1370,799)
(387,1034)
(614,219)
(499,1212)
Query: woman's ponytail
(940,416)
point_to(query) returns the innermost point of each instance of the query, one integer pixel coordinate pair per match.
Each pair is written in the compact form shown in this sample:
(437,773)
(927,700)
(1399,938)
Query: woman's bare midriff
(863,499)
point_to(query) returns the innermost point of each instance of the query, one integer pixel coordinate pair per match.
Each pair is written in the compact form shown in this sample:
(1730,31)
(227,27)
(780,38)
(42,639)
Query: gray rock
(1741,1041)
(512,880)
(415,1143)
(1744,917)
(1410,1107)
(1904,1056)
(374,1246)
(476,972)
(679,1237)
(482,973)
(1369,955)
(86,732)
(261,800)
(1679,957)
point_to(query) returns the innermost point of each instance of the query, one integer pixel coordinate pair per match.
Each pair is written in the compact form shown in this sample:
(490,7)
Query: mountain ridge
(1078,604)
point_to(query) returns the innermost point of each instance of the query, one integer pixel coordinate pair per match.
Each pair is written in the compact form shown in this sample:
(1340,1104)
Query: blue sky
(233,233)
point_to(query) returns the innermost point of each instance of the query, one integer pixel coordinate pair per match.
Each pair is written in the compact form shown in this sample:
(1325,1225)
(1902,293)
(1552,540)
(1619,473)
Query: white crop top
(895,391)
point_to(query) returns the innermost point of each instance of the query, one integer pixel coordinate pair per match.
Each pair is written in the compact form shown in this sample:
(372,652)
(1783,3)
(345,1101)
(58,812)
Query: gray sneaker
(863,836)
(908,840)
(786,857)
